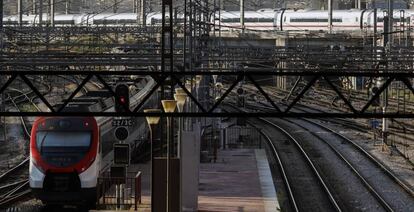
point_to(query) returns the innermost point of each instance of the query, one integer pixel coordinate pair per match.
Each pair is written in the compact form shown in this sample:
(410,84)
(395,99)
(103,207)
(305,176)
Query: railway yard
(201,109)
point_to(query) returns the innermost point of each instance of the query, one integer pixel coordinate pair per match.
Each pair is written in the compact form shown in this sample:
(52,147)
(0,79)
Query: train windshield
(68,140)
(63,149)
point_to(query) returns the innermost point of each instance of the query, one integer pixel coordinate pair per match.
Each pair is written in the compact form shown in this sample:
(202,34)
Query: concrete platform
(240,181)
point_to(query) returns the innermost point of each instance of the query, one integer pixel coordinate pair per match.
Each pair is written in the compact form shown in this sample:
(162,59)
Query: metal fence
(119,193)
(243,137)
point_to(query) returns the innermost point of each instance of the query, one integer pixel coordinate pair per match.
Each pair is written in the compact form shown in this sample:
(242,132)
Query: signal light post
(121,159)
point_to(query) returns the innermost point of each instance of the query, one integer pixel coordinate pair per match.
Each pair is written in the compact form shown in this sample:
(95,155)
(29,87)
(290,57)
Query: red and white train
(65,159)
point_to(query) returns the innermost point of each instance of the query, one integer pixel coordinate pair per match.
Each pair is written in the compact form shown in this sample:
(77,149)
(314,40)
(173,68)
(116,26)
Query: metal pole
(34,7)
(1,28)
(330,11)
(388,32)
(221,6)
(142,12)
(152,128)
(390,22)
(135,6)
(115,6)
(1,49)
(20,11)
(185,36)
(67,6)
(375,27)
(167,55)
(374,43)
(358,4)
(52,13)
(1,20)
(168,162)
(242,15)
(117,196)
(40,12)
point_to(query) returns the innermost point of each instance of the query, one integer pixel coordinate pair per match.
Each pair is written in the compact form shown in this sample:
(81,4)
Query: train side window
(265,19)
(284,20)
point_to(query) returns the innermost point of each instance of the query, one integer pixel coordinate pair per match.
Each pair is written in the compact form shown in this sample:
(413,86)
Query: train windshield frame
(63,141)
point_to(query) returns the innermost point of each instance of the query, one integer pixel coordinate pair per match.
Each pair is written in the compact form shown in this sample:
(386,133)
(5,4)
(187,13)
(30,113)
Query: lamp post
(198,79)
(189,87)
(152,122)
(180,97)
(169,107)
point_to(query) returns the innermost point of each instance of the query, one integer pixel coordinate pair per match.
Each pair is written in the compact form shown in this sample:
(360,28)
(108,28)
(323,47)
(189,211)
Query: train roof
(110,16)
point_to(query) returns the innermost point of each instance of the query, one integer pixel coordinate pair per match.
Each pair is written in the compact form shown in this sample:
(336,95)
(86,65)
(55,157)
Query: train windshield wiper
(43,140)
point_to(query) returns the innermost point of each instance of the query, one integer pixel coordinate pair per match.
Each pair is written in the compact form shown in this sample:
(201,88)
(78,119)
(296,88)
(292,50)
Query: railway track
(391,193)
(305,188)
(19,190)
(305,192)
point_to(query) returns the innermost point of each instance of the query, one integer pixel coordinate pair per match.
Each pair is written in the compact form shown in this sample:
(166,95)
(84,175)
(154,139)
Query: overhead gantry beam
(277,108)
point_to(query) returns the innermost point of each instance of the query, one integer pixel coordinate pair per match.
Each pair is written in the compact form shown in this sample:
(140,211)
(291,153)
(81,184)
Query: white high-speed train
(313,20)
(261,20)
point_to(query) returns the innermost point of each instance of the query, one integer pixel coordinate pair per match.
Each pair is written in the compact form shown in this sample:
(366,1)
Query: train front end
(64,160)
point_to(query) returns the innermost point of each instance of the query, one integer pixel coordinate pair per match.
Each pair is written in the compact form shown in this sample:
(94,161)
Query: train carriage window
(251,20)
(230,20)
(156,21)
(98,22)
(110,21)
(10,22)
(65,22)
(179,20)
(313,20)
(381,19)
(266,20)
(127,21)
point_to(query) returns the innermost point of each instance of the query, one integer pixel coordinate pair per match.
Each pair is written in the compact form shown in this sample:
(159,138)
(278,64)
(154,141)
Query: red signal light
(122,99)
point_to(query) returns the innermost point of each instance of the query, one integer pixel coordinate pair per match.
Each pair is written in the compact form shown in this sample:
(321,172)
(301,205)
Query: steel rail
(379,164)
(393,177)
(304,155)
(311,164)
(282,168)
(371,189)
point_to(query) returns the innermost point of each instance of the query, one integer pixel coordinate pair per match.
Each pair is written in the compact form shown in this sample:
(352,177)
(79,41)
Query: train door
(278,23)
